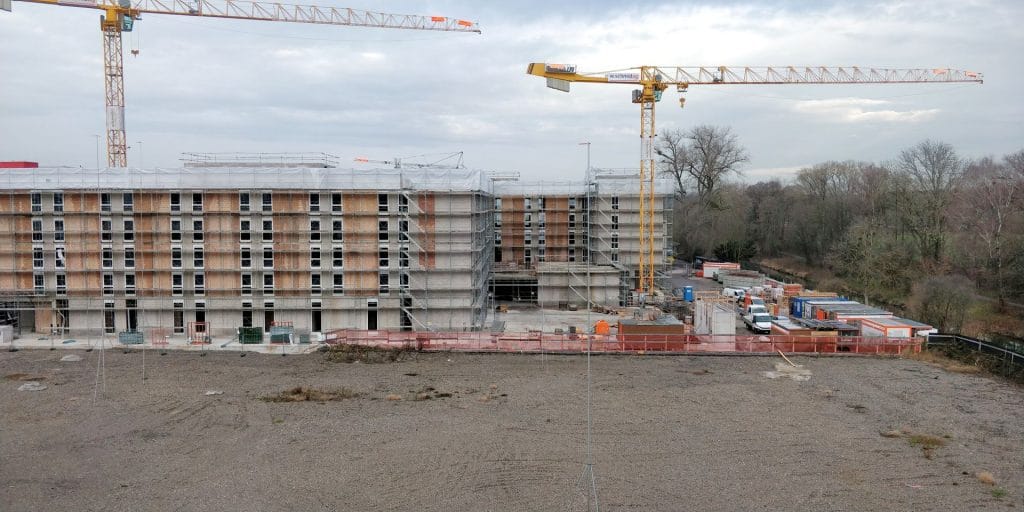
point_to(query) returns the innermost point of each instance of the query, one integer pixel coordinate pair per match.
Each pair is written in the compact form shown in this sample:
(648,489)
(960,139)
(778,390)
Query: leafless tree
(943,301)
(672,149)
(991,221)
(702,156)
(932,171)
(1015,162)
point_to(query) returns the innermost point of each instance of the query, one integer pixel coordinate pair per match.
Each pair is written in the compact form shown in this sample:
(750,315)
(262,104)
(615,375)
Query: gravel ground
(670,433)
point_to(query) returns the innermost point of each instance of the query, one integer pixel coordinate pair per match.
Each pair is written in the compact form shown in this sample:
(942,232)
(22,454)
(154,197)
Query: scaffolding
(573,228)
(274,160)
(91,252)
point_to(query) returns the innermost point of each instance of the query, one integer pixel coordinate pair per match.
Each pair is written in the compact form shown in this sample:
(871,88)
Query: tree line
(926,225)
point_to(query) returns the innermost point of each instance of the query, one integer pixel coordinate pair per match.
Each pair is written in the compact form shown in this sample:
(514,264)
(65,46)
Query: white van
(735,293)
(755,309)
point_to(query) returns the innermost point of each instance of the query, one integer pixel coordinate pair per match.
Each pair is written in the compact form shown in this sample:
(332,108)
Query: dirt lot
(670,433)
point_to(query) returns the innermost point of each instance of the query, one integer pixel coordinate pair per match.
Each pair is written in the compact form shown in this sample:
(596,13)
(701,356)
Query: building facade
(543,229)
(205,251)
(211,250)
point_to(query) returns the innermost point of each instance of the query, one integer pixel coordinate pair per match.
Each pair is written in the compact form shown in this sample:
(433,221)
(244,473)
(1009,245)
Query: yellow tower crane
(120,16)
(653,80)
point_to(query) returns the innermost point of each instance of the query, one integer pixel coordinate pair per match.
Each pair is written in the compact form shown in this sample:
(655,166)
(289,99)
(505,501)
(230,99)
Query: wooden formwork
(44,319)
(360,284)
(359,203)
(158,202)
(77,201)
(16,202)
(154,284)
(557,228)
(84,283)
(224,227)
(8,280)
(222,283)
(426,221)
(291,284)
(293,257)
(222,202)
(290,230)
(226,260)
(512,241)
(290,201)
(152,227)
(22,230)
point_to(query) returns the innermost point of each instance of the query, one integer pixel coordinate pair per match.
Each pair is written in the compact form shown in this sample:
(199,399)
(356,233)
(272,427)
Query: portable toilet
(688,293)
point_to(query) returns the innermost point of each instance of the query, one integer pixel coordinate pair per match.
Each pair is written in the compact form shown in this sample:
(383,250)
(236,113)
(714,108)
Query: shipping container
(919,328)
(808,308)
(886,327)
(711,269)
(740,278)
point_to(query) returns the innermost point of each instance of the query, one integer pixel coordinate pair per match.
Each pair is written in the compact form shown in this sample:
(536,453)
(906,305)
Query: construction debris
(797,373)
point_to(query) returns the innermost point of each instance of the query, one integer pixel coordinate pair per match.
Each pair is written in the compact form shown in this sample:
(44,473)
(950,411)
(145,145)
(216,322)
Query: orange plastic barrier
(536,342)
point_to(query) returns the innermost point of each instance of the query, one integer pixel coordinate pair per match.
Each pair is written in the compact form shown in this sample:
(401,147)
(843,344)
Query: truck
(734,293)
(758,321)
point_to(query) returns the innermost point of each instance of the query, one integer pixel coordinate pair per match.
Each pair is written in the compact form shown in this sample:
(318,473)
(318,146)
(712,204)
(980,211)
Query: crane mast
(120,16)
(653,80)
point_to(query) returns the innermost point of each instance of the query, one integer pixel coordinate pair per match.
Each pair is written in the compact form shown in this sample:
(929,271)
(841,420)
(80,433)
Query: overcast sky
(210,85)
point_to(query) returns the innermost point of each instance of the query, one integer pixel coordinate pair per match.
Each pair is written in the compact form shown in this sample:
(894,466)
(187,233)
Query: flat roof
(853,308)
(828,325)
(243,178)
(894,322)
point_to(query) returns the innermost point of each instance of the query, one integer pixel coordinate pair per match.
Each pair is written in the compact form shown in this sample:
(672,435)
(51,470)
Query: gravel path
(670,434)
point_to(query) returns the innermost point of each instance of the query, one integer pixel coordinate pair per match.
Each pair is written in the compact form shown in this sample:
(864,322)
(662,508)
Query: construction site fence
(536,342)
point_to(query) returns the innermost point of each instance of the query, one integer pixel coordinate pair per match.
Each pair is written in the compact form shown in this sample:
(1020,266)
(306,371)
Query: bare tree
(704,156)
(989,213)
(932,172)
(943,301)
(672,149)
(1016,162)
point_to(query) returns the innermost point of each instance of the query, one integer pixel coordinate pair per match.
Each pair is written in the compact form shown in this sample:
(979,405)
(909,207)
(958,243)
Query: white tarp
(243,178)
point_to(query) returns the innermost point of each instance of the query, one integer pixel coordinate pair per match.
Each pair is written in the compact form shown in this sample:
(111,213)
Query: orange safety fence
(623,344)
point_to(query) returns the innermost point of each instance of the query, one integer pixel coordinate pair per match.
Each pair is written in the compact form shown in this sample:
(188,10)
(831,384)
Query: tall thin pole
(97,151)
(587,144)
(588,466)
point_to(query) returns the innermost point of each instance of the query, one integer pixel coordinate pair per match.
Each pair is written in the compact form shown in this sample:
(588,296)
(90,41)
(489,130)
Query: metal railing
(1004,361)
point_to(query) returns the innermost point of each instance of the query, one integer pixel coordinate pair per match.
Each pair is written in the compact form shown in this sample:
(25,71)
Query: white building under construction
(204,251)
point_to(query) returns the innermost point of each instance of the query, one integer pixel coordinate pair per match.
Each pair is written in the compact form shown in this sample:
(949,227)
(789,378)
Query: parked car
(759,322)
(736,293)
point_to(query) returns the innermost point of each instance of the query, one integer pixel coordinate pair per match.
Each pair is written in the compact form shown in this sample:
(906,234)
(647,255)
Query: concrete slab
(530,318)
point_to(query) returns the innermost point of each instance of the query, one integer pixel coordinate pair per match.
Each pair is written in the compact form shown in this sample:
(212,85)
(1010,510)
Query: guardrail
(537,342)
(1005,361)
